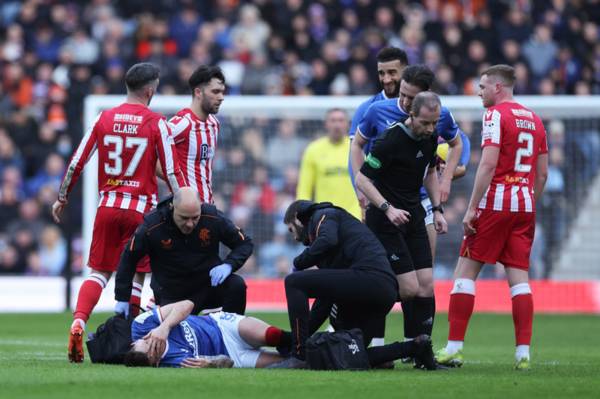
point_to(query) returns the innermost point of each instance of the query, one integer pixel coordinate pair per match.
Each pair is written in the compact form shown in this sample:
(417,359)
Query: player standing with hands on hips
(500,220)
(129,139)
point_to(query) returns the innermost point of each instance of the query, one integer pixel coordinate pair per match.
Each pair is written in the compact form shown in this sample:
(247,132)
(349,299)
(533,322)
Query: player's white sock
(80,322)
(377,342)
(522,352)
(408,339)
(454,346)
(151,304)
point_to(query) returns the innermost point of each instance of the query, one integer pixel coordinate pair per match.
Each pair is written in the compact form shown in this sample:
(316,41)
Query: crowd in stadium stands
(54,53)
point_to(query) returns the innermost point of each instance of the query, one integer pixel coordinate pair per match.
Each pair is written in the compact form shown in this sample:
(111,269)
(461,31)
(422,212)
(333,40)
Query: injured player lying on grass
(169,336)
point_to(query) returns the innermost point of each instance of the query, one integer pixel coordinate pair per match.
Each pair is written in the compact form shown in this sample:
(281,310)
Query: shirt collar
(409,132)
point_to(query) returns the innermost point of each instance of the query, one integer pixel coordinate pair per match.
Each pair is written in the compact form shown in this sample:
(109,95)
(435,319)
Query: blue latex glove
(122,308)
(218,274)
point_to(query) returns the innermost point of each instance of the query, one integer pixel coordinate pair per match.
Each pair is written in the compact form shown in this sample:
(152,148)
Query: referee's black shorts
(407,245)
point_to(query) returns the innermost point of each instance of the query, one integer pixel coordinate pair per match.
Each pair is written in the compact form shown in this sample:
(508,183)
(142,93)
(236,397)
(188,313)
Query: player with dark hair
(391,61)
(353,272)
(379,117)
(196,129)
(391,178)
(500,220)
(130,139)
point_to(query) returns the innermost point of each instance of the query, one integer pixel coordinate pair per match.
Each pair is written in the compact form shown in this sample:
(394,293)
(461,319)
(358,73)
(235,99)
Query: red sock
(135,300)
(273,336)
(522,311)
(88,296)
(459,313)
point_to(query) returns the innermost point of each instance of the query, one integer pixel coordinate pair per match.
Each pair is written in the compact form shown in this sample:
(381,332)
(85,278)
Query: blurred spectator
(28,219)
(52,251)
(9,154)
(183,27)
(254,74)
(276,257)
(85,50)
(288,138)
(9,203)
(250,30)
(51,174)
(9,261)
(540,51)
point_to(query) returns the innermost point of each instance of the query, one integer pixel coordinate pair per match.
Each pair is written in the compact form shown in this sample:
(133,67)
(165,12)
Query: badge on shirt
(204,236)
(373,162)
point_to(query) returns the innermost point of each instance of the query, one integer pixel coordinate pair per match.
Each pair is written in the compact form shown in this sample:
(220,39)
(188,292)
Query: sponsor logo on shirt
(336,171)
(516,179)
(128,118)
(419,154)
(190,336)
(166,244)
(522,112)
(206,152)
(119,182)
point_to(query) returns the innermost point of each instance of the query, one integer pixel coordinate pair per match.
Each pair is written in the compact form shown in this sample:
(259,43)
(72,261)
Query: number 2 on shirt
(527,138)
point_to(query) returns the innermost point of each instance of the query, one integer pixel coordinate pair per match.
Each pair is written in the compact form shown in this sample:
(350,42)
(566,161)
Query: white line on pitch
(20,342)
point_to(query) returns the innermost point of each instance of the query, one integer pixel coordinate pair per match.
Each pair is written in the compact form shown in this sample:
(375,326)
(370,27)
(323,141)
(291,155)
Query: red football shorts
(113,227)
(502,236)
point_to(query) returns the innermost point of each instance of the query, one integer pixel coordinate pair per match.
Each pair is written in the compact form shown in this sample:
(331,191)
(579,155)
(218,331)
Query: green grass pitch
(565,355)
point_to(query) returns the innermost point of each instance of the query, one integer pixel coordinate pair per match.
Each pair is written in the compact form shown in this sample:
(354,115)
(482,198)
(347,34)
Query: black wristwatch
(385,206)
(438,208)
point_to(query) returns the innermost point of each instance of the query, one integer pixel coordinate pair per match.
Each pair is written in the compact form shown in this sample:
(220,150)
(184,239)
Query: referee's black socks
(424,313)
(408,315)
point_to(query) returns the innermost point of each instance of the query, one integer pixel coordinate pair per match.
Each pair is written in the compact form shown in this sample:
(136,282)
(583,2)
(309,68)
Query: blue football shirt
(383,114)
(356,118)
(195,336)
(360,111)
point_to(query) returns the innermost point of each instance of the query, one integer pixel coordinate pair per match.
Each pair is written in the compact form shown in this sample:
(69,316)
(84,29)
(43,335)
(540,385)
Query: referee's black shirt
(397,165)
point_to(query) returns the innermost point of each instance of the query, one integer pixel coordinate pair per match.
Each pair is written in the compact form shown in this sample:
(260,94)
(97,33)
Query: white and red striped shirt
(196,144)
(521,136)
(130,139)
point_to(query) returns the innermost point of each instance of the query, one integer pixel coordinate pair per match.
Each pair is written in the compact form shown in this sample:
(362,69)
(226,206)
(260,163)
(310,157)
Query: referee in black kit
(391,178)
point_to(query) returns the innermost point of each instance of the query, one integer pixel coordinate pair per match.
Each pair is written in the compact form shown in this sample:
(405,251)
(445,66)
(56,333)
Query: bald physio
(182,238)
(187,209)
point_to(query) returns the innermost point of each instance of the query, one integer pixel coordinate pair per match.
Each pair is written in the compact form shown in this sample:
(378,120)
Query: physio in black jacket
(353,272)
(182,238)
